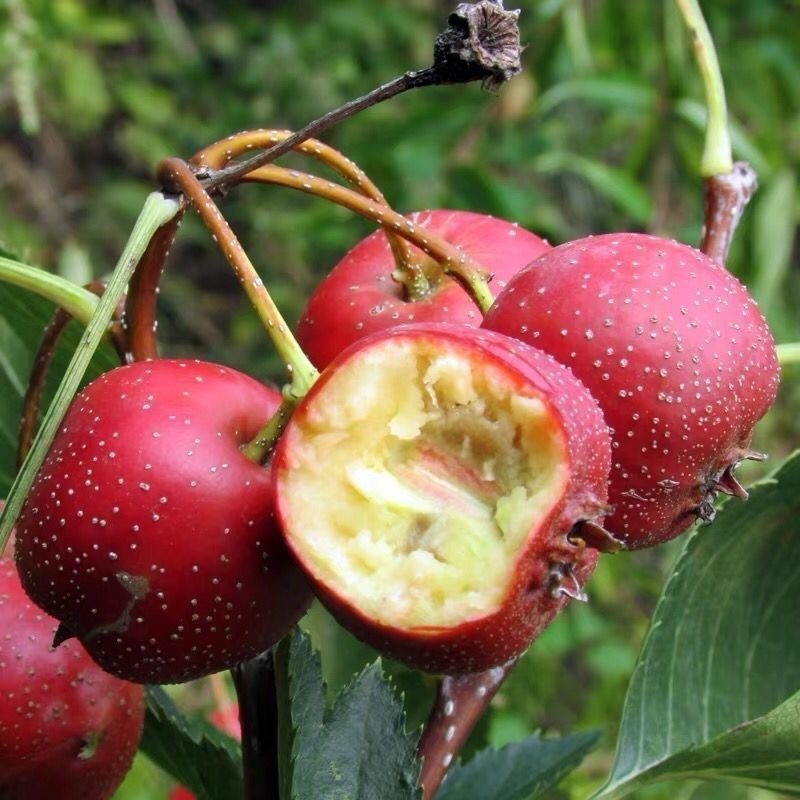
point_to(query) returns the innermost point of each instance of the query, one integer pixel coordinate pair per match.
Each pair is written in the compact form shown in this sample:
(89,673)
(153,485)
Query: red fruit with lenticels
(435,485)
(675,351)
(149,534)
(361,294)
(68,730)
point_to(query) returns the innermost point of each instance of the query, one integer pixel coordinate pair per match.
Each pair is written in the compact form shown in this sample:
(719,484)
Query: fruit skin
(554,562)
(67,729)
(681,338)
(360,296)
(149,534)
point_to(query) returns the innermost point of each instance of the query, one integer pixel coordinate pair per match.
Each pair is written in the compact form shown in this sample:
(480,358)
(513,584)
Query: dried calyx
(481,42)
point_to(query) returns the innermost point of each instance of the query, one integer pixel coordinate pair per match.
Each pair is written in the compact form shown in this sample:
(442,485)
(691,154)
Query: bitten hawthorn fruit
(434,484)
(362,294)
(675,351)
(149,534)
(67,728)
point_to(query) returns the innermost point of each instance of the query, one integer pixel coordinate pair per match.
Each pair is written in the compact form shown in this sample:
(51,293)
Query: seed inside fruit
(415,476)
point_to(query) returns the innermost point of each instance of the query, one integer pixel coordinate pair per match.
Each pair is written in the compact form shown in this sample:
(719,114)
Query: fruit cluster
(473,416)
(443,485)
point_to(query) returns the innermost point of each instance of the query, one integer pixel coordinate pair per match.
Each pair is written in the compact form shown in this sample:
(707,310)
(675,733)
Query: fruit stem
(78,302)
(155,212)
(258,713)
(788,354)
(717,157)
(301,370)
(454,262)
(42,359)
(218,155)
(139,320)
(261,446)
(232,174)
(460,701)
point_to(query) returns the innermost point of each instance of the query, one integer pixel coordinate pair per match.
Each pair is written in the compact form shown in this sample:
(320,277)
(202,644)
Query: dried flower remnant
(481,43)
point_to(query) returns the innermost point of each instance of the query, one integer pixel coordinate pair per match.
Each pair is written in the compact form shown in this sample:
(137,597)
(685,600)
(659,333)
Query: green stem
(157,210)
(717,156)
(788,354)
(78,302)
(259,448)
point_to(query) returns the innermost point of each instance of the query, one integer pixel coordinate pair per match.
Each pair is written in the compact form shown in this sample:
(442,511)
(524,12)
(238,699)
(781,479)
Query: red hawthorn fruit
(433,485)
(675,351)
(68,730)
(149,534)
(360,296)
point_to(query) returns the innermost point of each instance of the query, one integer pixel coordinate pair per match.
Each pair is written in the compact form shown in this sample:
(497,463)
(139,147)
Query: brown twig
(43,358)
(367,201)
(480,43)
(727,195)
(460,702)
(233,173)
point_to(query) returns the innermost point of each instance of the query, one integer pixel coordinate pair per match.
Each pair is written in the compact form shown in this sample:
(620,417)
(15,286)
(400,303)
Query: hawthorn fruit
(67,728)
(676,353)
(149,534)
(433,485)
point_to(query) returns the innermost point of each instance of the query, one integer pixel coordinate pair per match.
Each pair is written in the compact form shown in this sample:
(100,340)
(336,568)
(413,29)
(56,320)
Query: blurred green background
(602,132)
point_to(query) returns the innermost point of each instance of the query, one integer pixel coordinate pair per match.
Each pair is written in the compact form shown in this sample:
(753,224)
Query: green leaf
(715,692)
(195,753)
(357,750)
(520,771)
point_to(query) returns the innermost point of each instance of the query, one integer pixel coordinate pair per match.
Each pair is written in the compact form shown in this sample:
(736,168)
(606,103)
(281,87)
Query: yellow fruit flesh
(414,480)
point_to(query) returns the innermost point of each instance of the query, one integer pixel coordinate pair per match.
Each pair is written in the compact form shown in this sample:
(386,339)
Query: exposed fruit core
(415,475)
